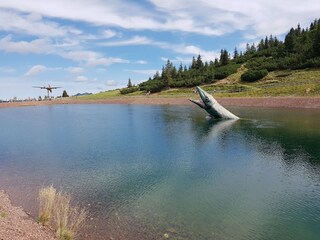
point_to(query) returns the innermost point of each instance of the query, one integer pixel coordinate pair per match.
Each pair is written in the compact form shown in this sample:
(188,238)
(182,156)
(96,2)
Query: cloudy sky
(97,45)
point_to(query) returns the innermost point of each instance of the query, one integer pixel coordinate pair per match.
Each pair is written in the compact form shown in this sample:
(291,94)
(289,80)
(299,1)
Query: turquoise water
(146,171)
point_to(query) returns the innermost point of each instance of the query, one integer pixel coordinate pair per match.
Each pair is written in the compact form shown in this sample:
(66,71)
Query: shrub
(46,198)
(221,74)
(178,84)
(129,90)
(193,82)
(254,75)
(67,219)
(55,208)
(225,71)
(152,86)
(260,63)
(312,63)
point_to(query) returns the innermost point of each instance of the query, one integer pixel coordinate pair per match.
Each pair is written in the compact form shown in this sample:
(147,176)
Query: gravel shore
(276,102)
(15,224)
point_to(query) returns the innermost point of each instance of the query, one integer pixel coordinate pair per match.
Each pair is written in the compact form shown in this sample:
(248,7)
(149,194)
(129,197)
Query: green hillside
(272,68)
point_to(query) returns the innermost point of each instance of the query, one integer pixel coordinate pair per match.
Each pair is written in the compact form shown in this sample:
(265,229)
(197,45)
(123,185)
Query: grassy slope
(279,83)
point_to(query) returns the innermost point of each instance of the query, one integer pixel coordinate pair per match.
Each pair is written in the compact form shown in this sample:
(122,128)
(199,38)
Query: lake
(146,171)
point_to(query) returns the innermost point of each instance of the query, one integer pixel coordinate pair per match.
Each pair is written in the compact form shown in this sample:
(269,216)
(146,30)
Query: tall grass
(65,219)
(46,198)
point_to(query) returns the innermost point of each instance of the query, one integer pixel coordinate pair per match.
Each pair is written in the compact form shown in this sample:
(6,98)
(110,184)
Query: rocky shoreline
(15,223)
(275,102)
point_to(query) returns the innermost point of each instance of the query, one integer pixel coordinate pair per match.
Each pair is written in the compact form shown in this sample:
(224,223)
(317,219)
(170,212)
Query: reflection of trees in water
(294,143)
(205,129)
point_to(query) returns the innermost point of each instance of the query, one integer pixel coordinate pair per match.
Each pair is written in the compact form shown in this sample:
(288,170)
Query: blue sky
(97,45)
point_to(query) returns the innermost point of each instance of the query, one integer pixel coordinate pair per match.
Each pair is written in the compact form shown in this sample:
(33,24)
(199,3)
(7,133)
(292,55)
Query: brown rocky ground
(278,102)
(15,224)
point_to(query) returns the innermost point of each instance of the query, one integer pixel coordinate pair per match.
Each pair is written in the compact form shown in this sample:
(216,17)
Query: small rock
(166,235)
(172,230)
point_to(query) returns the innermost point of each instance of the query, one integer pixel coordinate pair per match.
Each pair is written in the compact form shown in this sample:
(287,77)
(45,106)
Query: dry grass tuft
(66,219)
(46,197)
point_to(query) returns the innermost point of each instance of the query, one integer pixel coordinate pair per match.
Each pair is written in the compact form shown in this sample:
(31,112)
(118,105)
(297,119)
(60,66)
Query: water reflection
(148,170)
(212,128)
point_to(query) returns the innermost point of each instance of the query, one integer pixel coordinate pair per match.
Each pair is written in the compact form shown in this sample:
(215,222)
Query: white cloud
(81,79)
(108,34)
(75,70)
(145,71)
(32,24)
(114,13)
(178,48)
(92,58)
(178,60)
(35,70)
(194,51)
(112,83)
(35,46)
(141,62)
(7,70)
(101,69)
(136,40)
(85,79)
(219,17)
(204,17)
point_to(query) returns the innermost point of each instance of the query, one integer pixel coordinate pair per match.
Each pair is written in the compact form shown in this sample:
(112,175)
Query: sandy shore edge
(15,223)
(275,102)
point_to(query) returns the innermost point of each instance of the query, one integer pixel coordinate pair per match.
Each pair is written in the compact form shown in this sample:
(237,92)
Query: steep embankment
(287,83)
(16,224)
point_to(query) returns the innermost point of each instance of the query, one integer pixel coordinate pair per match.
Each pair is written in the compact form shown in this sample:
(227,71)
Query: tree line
(300,49)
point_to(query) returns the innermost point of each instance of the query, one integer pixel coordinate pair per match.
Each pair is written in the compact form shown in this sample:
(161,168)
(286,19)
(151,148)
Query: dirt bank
(16,224)
(277,102)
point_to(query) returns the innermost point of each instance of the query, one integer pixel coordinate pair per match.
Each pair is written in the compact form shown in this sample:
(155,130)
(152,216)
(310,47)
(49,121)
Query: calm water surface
(143,171)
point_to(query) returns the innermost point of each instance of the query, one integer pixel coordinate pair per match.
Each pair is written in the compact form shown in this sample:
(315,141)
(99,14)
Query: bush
(193,82)
(225,71)
(221,74)
(312,63)
(46,198)
(129,90)
(152,86)
(178,84)
(260,63)
(254,75)
(67,219)
(55,208)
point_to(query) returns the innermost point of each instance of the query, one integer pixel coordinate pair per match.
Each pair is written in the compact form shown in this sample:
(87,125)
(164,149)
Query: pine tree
(194,63)
(266,43)
(224,57)
(129,85)
(65,94)
(199,63)
(253,48)
(261,45)
(289,41)
(216,62)
(156,76)
(316,43)
(180,71)
(235,53)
